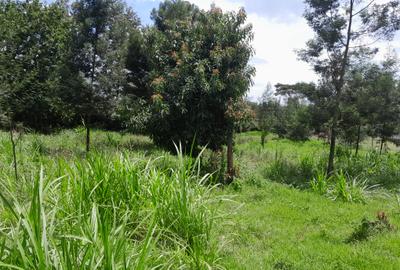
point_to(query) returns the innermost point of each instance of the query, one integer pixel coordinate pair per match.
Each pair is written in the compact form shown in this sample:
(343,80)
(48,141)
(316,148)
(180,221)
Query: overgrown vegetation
(81,198)
(109,210)
(356,176)
(131,204)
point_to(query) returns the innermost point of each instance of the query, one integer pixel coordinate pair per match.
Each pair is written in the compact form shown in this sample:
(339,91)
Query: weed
(213,163)
(320,183)
(109,212)
(112,139)
(350,189)
(38,146)
(368,228)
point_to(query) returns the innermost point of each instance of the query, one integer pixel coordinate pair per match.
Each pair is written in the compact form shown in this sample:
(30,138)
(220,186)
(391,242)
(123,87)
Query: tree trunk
(263,140)
(92,75)
(229,152)
(382,142)
(15,165)
(358,139)
(332,148)
(87,138)
(14,152)
(339,85)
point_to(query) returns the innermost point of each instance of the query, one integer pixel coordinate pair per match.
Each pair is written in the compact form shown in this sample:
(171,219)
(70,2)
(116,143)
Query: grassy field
(130,205)
(281,226)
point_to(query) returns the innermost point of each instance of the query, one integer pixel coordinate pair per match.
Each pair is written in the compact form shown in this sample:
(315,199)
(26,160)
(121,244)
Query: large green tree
(381,103)
(33,41)
(200,72)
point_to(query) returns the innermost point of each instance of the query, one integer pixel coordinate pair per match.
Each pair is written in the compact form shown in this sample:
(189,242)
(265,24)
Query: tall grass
(107,212)
(302,165)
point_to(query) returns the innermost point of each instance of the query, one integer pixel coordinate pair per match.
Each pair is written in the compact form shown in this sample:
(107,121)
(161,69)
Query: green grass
(279,226)
(130,205)
(123,206)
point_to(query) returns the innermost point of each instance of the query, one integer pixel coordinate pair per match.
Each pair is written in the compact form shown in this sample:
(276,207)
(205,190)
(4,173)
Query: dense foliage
(200,71)
(111,209)
(181,80)
(34,42)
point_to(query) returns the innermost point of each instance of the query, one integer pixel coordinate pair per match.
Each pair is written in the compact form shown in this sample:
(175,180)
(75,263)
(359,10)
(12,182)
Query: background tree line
(88,62)
(184,79)
(369,106)
(352,93)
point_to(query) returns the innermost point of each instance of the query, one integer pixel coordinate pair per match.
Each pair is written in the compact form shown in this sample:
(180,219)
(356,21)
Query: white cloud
(275,43)
(224,4)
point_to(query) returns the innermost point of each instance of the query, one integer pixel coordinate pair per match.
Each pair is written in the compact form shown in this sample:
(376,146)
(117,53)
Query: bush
(368,228)
(292,173)
(320,183)
(349,189)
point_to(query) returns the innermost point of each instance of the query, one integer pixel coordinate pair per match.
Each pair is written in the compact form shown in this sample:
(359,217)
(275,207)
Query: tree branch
(366,45)
(364,8)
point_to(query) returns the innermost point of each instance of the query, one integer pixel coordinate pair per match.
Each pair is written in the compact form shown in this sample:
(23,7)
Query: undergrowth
(106,211)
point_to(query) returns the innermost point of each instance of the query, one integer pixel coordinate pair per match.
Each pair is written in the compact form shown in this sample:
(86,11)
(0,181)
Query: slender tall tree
(100,45)
(343,27)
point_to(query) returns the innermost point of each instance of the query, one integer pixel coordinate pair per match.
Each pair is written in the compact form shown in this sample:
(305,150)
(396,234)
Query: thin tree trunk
(229,152)
(339,85)
(358,139)
(262,139)
(332,147)
(14,152)
(92,75)
(87,138)
(382,142)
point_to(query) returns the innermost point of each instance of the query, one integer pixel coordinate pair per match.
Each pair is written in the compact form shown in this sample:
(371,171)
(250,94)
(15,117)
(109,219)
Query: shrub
(38,147)
(320,183)
(343,151)
(307,167)
(368,228)
(292,173)
(350,189)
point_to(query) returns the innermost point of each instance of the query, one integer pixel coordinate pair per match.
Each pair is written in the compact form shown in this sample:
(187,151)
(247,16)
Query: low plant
(112,139)
(307,166)
(213,163)
(350,189)
(293,173)
(38,146)
(369,228)
(320,183)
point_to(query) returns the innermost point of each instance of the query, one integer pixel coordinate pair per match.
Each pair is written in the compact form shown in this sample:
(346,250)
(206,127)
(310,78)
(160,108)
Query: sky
(279,29)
